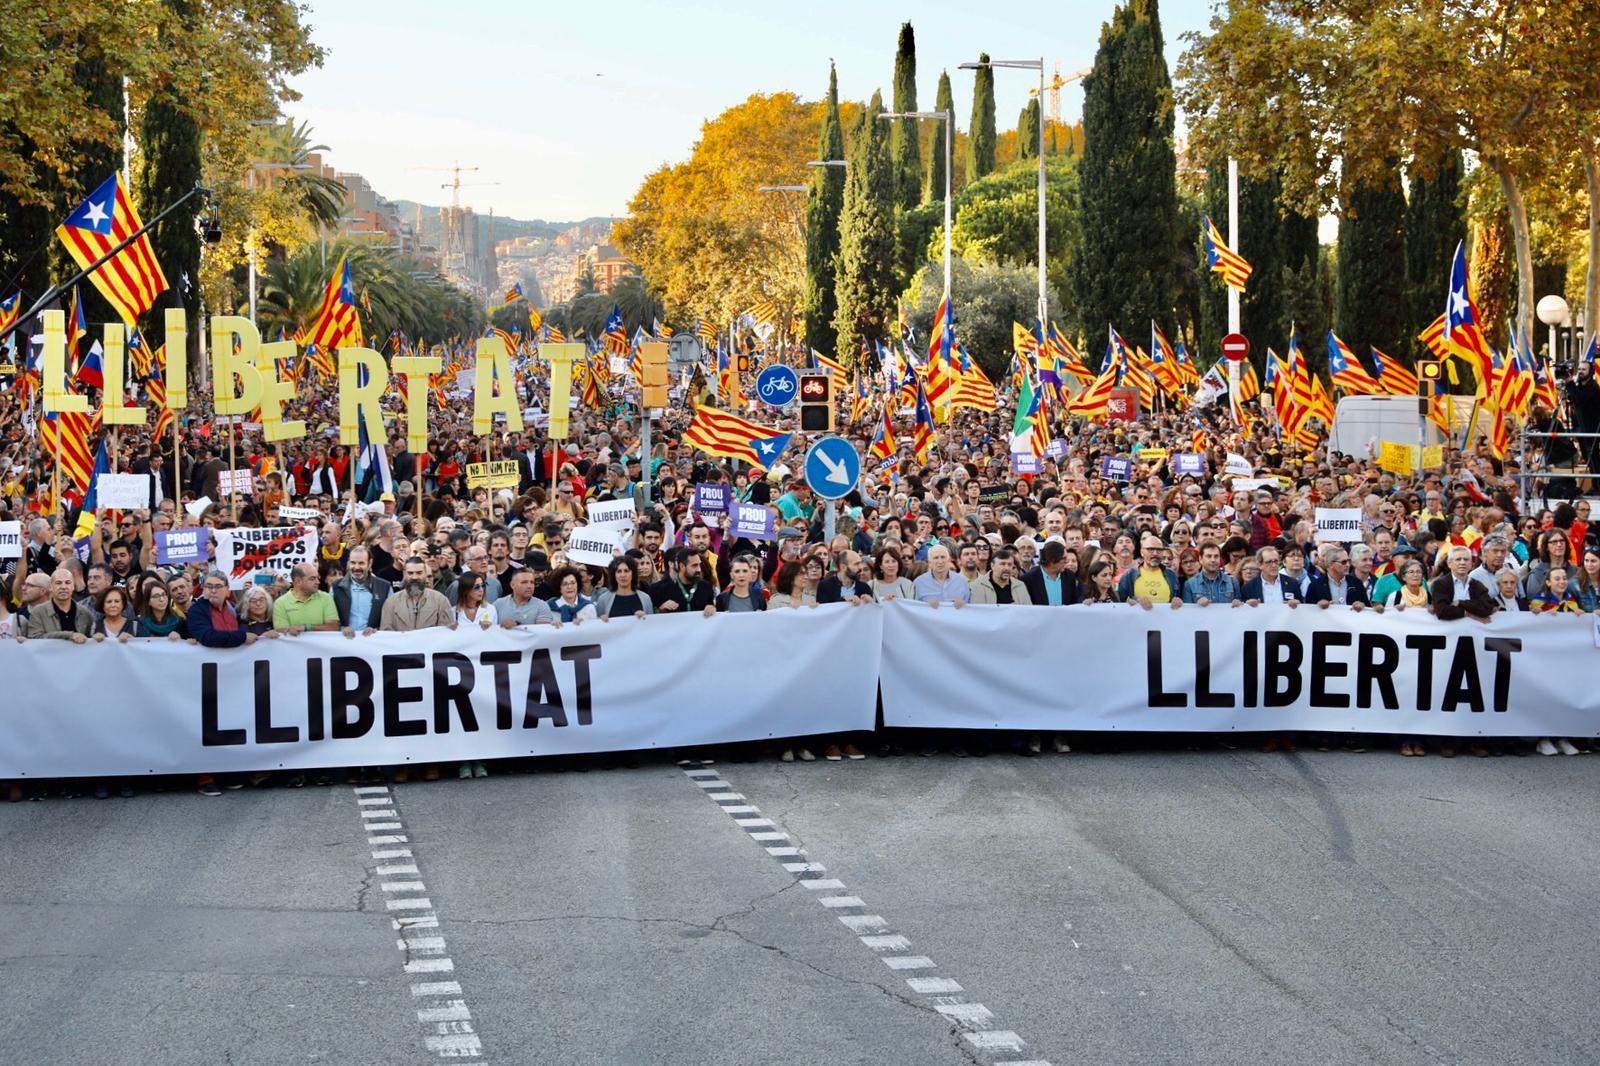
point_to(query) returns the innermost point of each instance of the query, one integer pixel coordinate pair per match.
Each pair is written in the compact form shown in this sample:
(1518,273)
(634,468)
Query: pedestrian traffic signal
(816,401)
(653,389)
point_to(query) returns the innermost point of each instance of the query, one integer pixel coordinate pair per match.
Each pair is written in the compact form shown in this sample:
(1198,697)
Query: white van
(1362,423)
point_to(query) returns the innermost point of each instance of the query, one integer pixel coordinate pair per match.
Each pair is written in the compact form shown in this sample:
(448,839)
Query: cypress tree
(1028,131)
(980,137)
(169,138)
(865,264)
(1370,303)
(26,240)
(1435,224)
(1125,270)
(906,143)
(1213,296)
(823,204)
(943,101)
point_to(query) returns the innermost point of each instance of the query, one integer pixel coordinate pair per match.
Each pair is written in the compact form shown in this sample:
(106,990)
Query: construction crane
(1054,86)
(454,184)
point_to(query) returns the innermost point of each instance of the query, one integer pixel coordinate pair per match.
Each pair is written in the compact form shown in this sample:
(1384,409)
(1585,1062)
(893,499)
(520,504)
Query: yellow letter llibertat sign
(246,378)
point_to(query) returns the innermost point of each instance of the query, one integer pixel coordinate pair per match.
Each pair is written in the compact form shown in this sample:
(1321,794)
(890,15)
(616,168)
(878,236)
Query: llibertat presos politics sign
(1243,669)
(436,695)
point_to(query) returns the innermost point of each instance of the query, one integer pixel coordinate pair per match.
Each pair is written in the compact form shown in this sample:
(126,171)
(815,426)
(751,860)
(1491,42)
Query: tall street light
(1030,64)
(950,136)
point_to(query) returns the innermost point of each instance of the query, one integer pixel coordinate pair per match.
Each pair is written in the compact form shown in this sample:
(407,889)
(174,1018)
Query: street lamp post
(950,136)
(1553,312)
(1029,64)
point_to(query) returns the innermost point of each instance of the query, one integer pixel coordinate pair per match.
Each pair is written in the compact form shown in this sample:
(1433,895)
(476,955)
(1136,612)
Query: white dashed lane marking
(974,1021)
(442,1013)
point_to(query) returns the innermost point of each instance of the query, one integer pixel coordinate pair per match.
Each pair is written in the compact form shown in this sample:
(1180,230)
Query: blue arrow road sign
(832,467)
(777,385)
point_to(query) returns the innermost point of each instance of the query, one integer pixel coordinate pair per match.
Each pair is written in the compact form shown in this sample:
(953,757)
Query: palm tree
(395,293)
(322,196)
(638,304)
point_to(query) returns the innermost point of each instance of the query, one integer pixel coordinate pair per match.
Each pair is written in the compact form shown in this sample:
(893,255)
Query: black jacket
(1033,581)
(341,598)
(758,601)
(831,590)
(1354,590)
(1479,604)
(701,595)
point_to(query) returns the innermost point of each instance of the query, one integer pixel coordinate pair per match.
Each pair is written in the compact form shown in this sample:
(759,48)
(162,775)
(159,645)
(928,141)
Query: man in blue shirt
(1047,584)
(1212,584)
(939,583)
(358,596)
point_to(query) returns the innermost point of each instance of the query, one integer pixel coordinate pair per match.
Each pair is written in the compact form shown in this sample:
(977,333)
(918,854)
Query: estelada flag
(131,279)
(719,433)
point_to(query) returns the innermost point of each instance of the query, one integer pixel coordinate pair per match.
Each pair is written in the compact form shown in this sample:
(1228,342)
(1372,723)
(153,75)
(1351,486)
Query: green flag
(1023,423)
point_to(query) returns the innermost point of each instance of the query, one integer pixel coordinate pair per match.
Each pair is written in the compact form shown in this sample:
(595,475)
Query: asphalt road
(1196,908)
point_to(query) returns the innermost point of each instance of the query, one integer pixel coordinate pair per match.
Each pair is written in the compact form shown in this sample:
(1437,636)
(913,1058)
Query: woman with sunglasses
(472,609)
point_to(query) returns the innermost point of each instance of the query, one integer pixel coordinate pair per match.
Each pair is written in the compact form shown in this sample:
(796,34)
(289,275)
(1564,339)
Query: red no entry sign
(1235,346)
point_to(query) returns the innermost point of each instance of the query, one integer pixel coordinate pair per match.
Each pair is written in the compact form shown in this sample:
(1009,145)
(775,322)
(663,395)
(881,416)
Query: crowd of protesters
(956,529)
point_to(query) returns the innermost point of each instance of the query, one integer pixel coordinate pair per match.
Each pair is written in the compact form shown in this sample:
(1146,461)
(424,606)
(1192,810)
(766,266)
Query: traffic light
(816,401)
(1430,371)
(744,364)
(653,389)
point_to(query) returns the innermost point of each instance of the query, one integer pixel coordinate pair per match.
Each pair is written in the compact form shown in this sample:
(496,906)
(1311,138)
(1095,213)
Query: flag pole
(177,467)
(1233,293)
(233,458)
(65,286)
(55,488)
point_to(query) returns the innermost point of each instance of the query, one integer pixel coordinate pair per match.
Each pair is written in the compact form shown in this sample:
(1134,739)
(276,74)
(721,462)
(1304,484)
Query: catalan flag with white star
(336,324)
(1394,377)
(131,279)
(1346,371)
(719,433)
(1224,260)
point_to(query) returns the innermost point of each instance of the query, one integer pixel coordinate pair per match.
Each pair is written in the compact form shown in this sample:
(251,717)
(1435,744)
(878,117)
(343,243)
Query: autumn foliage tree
(1335,91)
(709,241)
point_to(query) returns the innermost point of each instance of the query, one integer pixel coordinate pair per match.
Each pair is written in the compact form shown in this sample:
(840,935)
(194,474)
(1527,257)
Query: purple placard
(753,521)
(1189,463)
(1025,463)
(1116,467)
(712,499)
(174,547)
(1056,449)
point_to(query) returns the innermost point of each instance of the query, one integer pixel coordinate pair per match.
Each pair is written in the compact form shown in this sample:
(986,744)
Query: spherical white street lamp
(1553,311)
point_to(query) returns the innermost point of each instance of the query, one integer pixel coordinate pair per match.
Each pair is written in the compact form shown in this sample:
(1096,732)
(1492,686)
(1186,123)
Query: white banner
(1224,669)
(614,513)
(593,545)
(10,540)
(243,553)
(123,491)
(1342,524)
(437,695)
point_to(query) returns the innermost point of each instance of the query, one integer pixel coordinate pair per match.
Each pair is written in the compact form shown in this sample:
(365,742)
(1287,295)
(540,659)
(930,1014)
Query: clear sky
(568,105)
